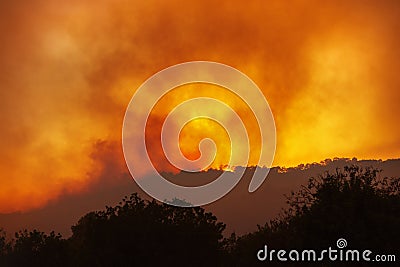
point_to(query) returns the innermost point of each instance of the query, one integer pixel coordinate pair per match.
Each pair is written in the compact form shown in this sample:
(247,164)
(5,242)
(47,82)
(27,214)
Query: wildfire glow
(68,70)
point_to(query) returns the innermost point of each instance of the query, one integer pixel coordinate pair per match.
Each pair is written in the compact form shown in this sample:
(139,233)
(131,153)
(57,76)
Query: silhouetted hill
(240,210)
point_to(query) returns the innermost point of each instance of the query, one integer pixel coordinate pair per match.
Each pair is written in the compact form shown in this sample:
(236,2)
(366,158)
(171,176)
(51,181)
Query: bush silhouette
(36,249)
(354,203)
(141,233)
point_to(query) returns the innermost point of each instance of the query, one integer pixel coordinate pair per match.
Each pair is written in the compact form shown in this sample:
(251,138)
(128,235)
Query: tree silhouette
(142,233)
(356,204)
(36,249)
(5,247)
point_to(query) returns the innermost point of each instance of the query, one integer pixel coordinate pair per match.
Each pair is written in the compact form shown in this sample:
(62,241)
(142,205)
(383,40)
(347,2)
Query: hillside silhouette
(233,209)
(355,203)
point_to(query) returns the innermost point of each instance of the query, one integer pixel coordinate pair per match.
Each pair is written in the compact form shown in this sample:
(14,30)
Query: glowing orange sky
(198,129)
(329,71)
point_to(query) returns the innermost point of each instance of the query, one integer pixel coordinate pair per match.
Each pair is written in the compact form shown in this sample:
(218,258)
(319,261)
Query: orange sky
(68,70)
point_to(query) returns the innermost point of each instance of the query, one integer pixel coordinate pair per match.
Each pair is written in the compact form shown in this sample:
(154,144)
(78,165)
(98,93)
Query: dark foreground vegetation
(355,204)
